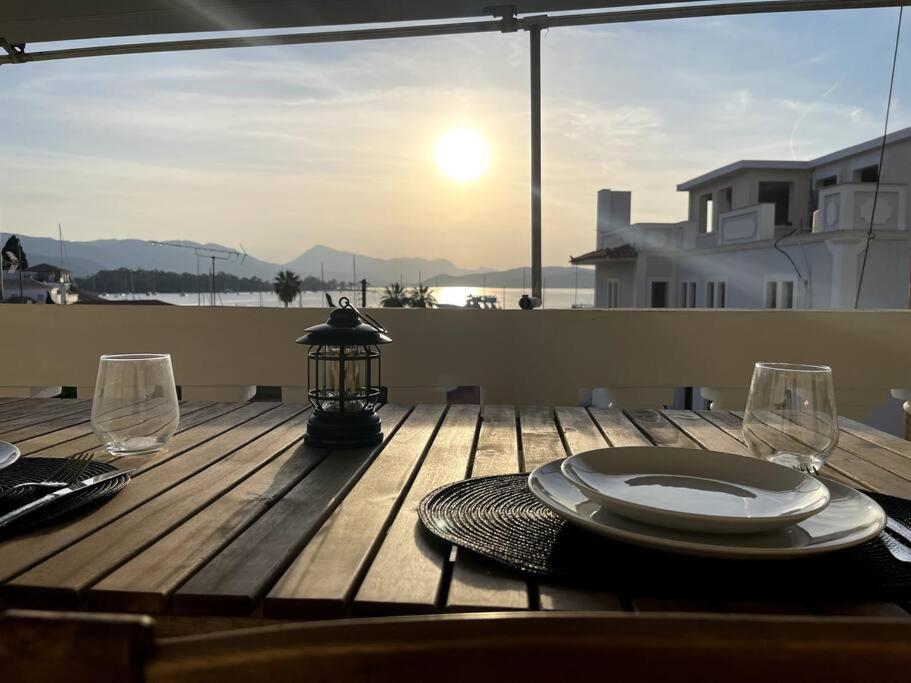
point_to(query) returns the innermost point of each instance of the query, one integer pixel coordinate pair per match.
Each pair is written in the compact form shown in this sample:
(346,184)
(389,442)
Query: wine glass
(790,416)
(135,408)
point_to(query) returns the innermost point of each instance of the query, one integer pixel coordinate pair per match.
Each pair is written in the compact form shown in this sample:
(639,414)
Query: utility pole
(20,269)
(212,280)
(536,284)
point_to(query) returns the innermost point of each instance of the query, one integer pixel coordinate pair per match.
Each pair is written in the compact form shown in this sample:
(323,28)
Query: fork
(69,471)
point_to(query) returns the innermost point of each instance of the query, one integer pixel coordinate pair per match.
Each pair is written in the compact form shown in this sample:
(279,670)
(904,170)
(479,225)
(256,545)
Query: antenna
(213,253)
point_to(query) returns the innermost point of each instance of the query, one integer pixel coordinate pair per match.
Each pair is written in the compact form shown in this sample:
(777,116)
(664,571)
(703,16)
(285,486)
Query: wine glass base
(139,446)
(811,464)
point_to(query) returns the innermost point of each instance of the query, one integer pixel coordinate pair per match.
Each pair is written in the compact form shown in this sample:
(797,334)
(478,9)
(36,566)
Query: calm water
(506,298)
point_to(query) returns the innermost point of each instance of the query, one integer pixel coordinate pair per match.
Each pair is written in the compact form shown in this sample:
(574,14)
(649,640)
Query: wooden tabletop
(238,518)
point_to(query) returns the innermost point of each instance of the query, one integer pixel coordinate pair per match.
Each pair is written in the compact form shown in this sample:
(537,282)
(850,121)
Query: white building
(766,234)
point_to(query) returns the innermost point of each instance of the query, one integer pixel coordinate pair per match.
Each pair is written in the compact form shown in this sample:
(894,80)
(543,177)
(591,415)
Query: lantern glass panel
(344,380)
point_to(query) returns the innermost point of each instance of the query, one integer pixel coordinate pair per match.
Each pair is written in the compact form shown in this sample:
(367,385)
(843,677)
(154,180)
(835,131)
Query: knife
(59,493)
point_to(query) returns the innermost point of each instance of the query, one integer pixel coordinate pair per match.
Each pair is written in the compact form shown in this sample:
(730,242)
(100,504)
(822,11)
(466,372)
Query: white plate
(8,454)
(696,490)
(849,519)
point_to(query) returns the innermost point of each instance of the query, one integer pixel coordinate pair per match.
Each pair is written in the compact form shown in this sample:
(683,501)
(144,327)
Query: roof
(869,145)
(624,252)
(46,268)
(32,21)
(11,282)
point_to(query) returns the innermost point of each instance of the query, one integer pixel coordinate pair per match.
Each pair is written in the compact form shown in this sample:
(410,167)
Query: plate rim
(692,548)
(743,522)
(15,458)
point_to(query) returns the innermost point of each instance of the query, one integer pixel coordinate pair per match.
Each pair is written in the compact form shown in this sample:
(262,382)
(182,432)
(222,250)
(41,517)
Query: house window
(827,182)
(726,200)
(787,294)
(658,291)
(771,294)
(687,295)
(779,194)
(706,214)
(715,294)
(779,294)
(868,174)
(613,294)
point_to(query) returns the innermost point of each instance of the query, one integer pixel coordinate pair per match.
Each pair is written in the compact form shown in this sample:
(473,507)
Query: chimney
(613,212)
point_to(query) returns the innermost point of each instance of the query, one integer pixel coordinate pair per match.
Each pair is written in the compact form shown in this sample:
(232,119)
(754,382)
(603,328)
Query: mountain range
(89,257)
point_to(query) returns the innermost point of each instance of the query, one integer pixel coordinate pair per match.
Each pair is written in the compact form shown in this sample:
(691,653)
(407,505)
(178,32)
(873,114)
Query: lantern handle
(345,302)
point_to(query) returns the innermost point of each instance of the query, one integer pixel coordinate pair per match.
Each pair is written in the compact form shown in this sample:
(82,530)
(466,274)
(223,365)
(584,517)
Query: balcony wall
(749,224)
(522,357)
(849,207)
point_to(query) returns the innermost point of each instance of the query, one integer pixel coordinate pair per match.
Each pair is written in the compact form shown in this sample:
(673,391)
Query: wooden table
(238,522)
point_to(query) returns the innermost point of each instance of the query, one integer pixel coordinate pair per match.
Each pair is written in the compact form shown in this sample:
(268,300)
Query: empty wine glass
(135,408)
(790,416)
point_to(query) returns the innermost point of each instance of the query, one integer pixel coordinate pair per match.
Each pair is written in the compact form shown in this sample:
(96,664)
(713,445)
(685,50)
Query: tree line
(165,282)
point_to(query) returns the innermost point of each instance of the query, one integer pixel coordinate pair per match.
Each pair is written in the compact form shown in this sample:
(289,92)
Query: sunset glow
(462,154)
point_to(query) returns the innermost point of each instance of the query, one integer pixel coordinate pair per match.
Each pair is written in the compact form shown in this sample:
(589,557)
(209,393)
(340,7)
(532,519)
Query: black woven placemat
(37,469)
(500,518)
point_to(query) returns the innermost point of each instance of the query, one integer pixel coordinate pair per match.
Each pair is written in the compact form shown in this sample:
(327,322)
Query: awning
(625,252)
(32,21)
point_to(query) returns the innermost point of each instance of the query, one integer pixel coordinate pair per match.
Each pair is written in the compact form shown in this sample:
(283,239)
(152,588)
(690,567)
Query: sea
(507,298)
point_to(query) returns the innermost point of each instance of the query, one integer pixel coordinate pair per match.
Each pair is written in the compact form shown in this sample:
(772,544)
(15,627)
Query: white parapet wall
(540,357)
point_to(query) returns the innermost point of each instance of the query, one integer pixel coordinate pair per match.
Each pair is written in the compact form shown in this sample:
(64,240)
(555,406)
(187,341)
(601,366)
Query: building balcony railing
(543,357)
(850,206)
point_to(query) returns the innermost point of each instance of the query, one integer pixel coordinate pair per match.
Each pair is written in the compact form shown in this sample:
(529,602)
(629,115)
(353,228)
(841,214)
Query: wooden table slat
(705,433)
(45,425)
(80,437)
(541,441)
(733,426)
(479,584)
(660,430)
(234,580)
(866,473)
(617,428)
(886,441)
(197,448)
(74,569)
(407,574)
(322,579)
(30,406)
(14,428)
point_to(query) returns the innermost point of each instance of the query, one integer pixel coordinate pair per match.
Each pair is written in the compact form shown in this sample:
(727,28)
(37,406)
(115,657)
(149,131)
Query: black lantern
(343,378)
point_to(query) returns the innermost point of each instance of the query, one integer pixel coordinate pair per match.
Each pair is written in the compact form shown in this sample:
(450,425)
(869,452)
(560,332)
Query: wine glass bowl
(791,416)
(135,409)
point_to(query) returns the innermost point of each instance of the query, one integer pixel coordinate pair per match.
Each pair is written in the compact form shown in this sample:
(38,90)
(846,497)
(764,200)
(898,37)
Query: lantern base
(343,430)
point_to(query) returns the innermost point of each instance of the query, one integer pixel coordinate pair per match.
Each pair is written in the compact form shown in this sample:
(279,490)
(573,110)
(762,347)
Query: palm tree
(422,297)
(287,285)
(394,296)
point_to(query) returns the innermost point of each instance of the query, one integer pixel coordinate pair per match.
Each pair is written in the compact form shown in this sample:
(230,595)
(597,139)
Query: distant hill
(338,264)
(554,276)
(87,258)
(90,257)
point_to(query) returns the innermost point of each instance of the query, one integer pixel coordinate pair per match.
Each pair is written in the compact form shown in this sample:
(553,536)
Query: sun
(462,154)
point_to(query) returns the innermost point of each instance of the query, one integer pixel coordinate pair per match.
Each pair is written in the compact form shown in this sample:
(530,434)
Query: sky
(281,148)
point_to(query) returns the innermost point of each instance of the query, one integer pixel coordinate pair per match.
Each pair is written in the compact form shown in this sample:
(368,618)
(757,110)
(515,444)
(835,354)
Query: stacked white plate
(706,503)
(8,454)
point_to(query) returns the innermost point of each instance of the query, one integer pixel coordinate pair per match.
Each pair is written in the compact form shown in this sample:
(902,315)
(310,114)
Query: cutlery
(899,529)
(68,472)
(896,548)
(59,493)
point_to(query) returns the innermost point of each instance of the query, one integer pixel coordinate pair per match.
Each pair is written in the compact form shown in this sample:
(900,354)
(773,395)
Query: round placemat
(500,518)
(37,469)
